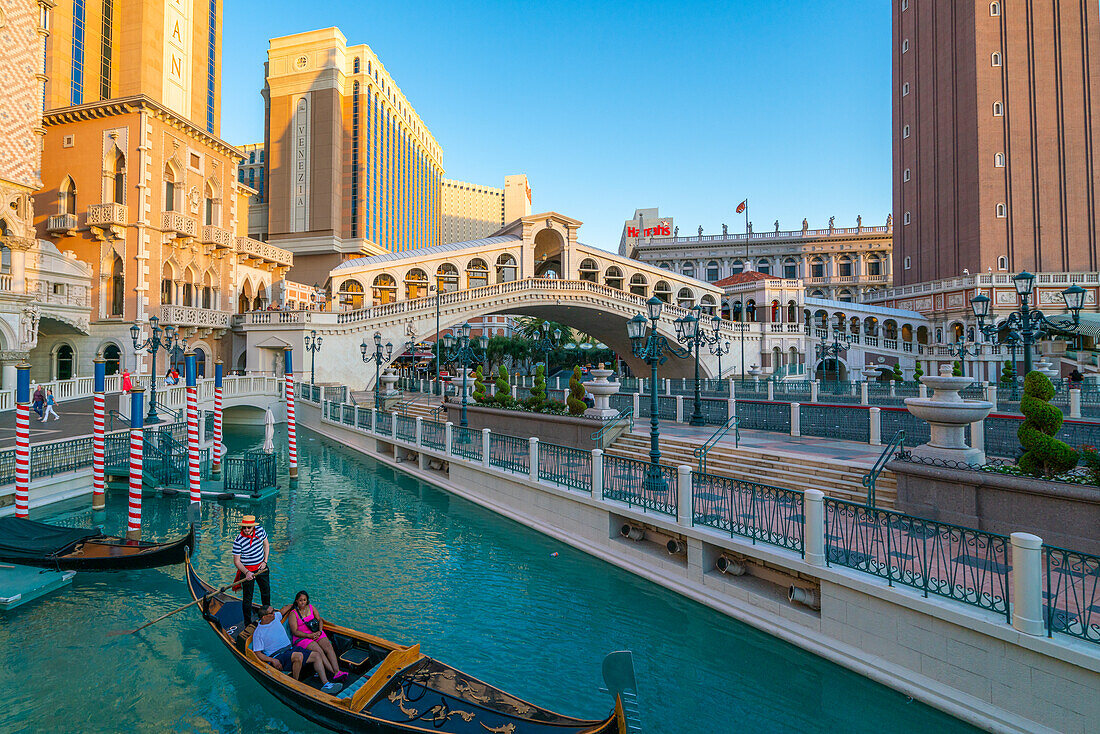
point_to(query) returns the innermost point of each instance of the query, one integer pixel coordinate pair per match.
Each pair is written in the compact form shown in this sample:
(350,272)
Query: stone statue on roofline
(700,230)
(831,222)
(805,224)
(777,226)
(889,220)
(859,221)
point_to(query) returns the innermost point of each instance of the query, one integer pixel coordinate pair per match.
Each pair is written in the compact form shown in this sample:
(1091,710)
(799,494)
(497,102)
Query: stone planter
(389,382)
(566,430)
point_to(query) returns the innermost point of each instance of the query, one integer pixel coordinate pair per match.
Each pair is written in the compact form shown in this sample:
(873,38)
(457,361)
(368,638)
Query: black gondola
(394,689)
(84,549)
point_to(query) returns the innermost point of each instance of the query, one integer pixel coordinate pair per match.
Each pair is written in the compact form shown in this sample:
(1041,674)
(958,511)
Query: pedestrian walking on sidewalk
(49,408)
(127,381)
(38,401)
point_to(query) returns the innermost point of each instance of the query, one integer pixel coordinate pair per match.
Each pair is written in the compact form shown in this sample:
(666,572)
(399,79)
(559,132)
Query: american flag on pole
(742,206)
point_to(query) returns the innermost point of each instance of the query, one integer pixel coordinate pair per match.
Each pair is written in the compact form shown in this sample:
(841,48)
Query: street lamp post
(651,347)
(717,346)
(166,338)
(689,333)
(826,350)
(464,351)
(1028,324)
(547,342)
(313,345)
(378,358)
(962,350)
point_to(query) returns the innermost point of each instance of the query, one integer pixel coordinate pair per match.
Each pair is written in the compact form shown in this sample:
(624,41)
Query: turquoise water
(385,553)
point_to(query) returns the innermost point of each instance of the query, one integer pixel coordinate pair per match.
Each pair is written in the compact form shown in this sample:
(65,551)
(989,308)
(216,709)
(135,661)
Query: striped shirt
(251,548)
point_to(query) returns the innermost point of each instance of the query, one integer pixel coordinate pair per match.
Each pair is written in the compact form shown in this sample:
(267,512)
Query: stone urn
(755,372)
(457,382)
(601,391)
(1048,369)
(389,382)
(871,373)
(948,415)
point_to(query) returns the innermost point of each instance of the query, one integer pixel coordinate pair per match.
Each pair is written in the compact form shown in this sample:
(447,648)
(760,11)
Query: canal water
(385,553)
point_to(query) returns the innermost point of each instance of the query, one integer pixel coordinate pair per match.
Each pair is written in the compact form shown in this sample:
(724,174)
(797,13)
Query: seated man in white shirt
(271,644)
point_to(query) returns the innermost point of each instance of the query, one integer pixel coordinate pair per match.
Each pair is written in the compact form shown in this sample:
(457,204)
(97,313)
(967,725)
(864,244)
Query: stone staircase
(835,477)
(416,404)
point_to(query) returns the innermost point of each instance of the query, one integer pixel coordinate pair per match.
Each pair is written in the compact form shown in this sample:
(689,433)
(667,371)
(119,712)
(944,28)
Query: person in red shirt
(127,381)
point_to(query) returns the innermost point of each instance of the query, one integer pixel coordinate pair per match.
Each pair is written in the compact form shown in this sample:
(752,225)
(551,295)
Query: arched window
(639,286)
(112,359)
(908,262)
(167,285)
(477,273)
(790,268)
(351,294)
(383,289)
(737,267)
(999,160)
(171,196)
(118,288)
(763,266)
(188,294)
(200,362)
(995,9)
(665,266)
(416,284)
(712,271)
(817,293)
(1002,263)
(506,268)
(663,291)
(688,269)
(707,305)
(613,278)
(750,310)
(5,254)
(446,276)
(775,311)
(64,363)
(355,66)
(1002,211)
(211,205)
(874,265)
(589,270)
(685,298)
(208,292)
(998,109)
(844,266)
(995,59)
(845,296)
(792,312)
(67,197)
(118,177)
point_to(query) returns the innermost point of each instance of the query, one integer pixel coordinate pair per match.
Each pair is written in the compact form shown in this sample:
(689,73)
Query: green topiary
(898,376)
(480,394)
(1008,373)
(538,390)
(918,372)
(504,390)
(575,401)
(957,369)
(1044,455)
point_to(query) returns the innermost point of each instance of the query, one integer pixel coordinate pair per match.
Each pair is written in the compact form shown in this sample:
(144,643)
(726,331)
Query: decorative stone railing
(179,224)
(59,224)
(191,316)
(264,251)
(5,281)
(108,213)
(221,238)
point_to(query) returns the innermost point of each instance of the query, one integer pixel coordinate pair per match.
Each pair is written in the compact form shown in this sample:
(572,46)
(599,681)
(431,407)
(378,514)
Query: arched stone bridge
(596,309)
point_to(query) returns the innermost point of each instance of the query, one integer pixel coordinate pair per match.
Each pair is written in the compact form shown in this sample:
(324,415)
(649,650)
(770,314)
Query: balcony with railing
(107,214)
(179,225)
(263,253)
(190,316)
(217,237)
(61,225)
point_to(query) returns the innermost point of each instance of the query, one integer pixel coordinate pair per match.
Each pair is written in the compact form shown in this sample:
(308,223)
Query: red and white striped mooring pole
(137,409)
(291,439)
(22,439)
(218,372)
(99,498)
(193,479)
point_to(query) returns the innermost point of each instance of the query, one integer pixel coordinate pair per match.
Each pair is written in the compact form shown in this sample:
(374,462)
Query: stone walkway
(772,442)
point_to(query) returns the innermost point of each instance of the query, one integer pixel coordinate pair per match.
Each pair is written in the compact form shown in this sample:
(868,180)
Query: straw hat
(248,521)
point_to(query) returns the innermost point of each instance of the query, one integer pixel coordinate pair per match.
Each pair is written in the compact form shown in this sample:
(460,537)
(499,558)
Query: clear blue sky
(612,106)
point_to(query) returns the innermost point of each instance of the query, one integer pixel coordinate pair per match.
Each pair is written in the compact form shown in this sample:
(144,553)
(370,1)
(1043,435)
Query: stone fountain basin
(958,412)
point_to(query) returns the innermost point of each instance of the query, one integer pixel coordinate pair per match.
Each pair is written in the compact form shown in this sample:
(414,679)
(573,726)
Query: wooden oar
(174,611)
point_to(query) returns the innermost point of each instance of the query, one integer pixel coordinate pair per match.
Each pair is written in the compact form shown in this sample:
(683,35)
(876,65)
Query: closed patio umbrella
(269,432)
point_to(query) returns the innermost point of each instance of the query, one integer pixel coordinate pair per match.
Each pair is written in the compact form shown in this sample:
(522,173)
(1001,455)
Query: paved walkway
(76,420)
(811,447)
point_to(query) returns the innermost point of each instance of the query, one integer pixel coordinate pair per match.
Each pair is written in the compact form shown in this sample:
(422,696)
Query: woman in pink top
(309,634)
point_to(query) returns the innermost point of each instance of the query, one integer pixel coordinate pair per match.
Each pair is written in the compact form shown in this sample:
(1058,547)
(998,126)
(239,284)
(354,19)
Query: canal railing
(966,565)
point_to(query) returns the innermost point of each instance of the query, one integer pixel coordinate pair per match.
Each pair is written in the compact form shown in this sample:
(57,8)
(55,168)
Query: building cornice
(137,103)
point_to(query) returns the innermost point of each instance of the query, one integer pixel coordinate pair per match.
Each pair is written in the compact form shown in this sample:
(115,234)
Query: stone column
(533,447)
(683,495)
(597,474)
(796,419)
(1027,583)
(813,529)
(875,418)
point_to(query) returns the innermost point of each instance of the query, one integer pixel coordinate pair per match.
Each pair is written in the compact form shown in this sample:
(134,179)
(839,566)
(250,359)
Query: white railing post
(813,528)
(1027,583)
(875,418)
(419,430)
(683,383)
(668,386)
(893,389)
(733,392)
(977,435)
(863,393)
(533,459)
(448,436)
(991,394)
(374,420)
(684,495)
(597,474)
(731,408)
(796,419)
(679,408)
(485,433)
(515,394)
(637,406)
(922,390)
(1075,402)
(814,385)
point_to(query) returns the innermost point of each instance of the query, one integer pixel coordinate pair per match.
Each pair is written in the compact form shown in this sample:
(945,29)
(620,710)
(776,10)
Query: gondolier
(250,552)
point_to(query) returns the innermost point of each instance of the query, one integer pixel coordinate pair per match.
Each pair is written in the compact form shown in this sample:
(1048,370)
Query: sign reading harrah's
(662,229)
